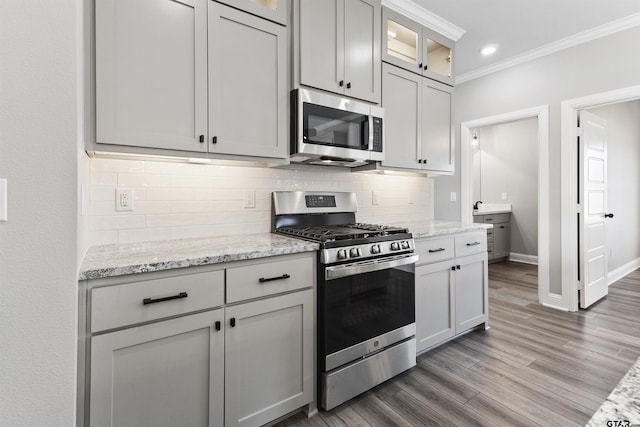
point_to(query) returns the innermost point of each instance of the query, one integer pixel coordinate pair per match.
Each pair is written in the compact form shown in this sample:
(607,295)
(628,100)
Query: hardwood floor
(535,366)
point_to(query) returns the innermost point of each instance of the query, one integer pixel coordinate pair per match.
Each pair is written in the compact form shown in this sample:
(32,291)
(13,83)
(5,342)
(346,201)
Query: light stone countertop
(434,228)
(116,260)
(623,404)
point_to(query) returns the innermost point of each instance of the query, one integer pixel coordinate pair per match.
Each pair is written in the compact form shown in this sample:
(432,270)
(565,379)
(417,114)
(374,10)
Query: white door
(592,208)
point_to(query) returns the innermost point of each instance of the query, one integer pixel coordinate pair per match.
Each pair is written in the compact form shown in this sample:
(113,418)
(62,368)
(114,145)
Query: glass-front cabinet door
(438,54)
(408,44)
(401,41)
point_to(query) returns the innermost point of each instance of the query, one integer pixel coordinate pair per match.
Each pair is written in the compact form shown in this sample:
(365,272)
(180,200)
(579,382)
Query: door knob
(609,215)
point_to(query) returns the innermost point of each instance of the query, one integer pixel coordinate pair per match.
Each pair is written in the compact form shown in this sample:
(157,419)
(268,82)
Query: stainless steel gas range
(366,292)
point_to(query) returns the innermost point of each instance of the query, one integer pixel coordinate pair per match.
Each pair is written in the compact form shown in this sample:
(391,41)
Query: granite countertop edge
(435,228)
(105,261)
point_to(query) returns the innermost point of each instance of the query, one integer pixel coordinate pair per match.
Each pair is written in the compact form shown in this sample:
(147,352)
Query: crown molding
(425,17)
(565,43)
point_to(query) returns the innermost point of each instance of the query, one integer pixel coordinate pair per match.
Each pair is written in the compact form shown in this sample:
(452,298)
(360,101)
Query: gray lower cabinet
(169,349)
(418,122)
(451,287)
(339,46)
(268,358)
(498,237)
(169,373)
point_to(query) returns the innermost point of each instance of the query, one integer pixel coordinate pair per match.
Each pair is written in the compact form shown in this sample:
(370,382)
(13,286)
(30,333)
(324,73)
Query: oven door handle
(340,271)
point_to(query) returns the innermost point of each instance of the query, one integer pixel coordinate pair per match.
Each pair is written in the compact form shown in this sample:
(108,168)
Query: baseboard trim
(523,258)
(623,270)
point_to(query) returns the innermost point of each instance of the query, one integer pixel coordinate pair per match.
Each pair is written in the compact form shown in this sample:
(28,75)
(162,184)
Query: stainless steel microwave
(330,130)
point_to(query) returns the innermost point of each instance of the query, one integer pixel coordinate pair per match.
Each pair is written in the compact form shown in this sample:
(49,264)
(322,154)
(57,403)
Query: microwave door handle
(367,126)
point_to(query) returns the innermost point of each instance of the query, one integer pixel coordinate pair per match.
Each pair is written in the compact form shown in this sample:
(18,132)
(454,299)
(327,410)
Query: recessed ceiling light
(488,50)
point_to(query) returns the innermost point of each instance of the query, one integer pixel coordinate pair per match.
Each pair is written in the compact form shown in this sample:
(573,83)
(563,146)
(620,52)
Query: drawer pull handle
(473,244)
(153,301)
(436,250)
(269,279)
(218,325)
(232,322)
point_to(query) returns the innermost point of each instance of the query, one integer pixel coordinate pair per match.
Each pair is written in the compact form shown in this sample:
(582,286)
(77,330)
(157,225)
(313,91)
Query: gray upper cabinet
(247,84)
(151,73)
(418,122)
(410,45)
(402,102)
(339,47)
(273,10)
(437,143)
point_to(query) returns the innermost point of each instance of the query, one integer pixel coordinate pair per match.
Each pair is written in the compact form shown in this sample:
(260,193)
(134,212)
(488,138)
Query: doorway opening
(538,119)
(570,207)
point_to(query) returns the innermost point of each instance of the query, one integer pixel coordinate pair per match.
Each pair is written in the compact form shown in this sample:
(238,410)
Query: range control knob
(342,254)
(375,249)
(395,246)
(354,252)
(405,244)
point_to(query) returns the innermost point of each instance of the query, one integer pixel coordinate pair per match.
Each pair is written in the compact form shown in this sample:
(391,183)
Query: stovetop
(332,233)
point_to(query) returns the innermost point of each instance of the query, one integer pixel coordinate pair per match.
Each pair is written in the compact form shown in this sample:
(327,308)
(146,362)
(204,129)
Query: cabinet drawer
(496,218)
(254,281)
(471,243)
(136,302)
(432,250)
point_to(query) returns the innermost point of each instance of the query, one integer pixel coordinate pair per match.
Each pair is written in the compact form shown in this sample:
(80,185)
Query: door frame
(541,112)
(569,110)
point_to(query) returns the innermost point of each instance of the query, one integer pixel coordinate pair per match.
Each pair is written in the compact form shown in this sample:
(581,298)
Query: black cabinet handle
(502,226)
(341,83)
(426,66)
(457,267)
(473,244)
(153,301)
(420,65)
(453,268)
(436,250)
(214,140)
(232,322)
(218,325)
(609,215)
(349,85)
(201,138)
(269,279)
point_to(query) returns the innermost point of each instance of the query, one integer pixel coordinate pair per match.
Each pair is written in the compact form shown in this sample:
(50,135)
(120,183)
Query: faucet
(475,205)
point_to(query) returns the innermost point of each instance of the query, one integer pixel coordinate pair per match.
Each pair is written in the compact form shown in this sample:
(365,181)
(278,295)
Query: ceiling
(518,27)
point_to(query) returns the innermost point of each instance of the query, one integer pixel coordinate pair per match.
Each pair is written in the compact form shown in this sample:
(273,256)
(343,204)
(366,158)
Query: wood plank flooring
(535,366)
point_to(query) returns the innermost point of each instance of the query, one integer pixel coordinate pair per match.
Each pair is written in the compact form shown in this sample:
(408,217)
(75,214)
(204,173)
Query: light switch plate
(3,199)
(374,198)
(453,196)
(504,196)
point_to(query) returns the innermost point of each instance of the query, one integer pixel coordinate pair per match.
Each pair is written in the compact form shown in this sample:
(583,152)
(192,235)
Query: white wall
(598,66)
(507,162)
(179,200)
(38,156)
(623,181)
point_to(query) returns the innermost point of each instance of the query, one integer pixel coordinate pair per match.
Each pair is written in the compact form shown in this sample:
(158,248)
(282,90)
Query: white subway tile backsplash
(143,180)
(179,200)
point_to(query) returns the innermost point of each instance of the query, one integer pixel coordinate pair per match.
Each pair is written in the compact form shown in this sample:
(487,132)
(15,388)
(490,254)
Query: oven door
(365,307)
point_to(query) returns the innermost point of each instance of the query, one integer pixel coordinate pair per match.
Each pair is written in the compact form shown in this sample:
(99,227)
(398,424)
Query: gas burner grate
(330,233)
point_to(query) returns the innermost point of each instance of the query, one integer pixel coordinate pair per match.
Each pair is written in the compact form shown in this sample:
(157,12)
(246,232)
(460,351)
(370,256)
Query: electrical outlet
(504,196)
(124,199)
(249,199)
(374,198)
(453,196)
